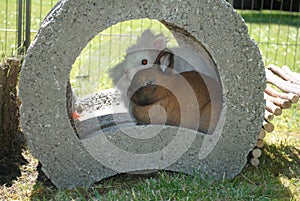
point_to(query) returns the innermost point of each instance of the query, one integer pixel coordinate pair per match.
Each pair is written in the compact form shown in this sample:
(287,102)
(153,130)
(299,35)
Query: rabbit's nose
(149,83)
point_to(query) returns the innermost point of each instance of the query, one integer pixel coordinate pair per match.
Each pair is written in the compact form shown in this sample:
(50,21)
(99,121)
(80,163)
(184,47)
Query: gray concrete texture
(71,162)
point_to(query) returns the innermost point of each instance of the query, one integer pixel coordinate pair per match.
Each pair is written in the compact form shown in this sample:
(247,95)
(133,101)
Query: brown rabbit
(181,99)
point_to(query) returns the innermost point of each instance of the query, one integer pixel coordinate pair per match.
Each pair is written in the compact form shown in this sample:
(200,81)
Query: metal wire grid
(281,13)
(15,26)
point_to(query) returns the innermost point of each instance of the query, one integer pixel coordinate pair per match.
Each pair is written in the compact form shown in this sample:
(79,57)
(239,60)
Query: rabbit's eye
(144,62)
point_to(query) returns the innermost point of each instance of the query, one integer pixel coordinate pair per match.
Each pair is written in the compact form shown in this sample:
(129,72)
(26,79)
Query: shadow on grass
(283,160)
(11,159)
(263,182)
(276,164)
(44,189)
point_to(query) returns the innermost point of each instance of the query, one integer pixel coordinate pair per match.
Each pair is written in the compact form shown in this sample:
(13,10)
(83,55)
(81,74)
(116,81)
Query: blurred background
(273,24)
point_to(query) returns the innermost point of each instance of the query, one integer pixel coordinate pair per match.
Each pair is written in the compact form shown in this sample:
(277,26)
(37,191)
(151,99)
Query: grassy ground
(276,178)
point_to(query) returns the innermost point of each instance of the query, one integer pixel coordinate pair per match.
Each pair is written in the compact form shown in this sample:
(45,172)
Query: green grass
(276,178)
(277,34)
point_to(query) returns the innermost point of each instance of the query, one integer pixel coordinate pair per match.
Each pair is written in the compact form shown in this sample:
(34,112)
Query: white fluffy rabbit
(143,54)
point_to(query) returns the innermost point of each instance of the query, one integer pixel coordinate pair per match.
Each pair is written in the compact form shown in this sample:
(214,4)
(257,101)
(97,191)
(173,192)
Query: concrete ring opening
(69,161)
(100,83)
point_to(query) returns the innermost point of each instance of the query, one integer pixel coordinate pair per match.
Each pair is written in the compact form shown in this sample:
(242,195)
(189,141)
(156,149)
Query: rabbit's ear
(165,60)
(147,36)
(160,42)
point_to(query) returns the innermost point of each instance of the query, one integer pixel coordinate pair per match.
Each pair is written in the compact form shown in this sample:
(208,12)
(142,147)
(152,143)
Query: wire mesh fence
(20,20)
(273,24)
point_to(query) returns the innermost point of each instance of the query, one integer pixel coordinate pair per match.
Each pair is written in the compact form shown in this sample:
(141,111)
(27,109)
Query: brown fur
(183,98)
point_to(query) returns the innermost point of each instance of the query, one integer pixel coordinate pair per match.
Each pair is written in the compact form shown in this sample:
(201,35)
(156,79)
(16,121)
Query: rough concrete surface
(70,162)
